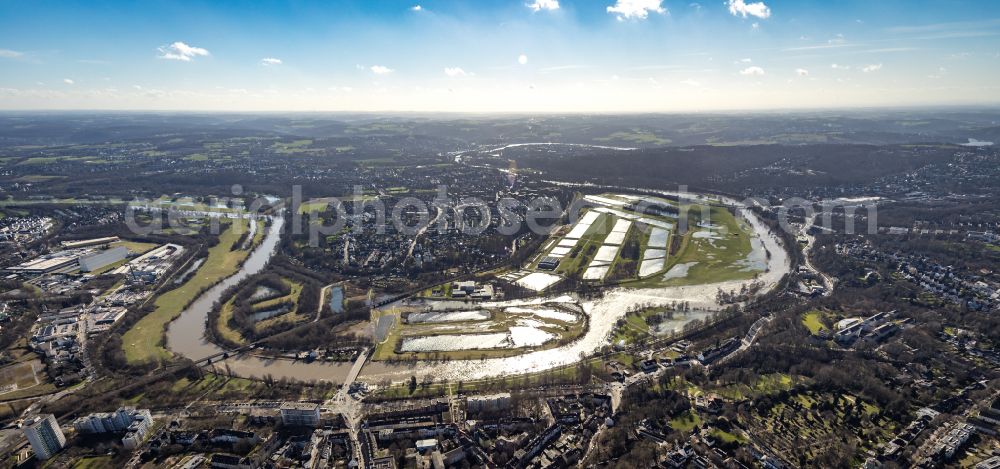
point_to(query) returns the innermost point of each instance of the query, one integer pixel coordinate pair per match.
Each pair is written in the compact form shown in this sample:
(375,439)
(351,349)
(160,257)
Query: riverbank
(143,342)
(185,336)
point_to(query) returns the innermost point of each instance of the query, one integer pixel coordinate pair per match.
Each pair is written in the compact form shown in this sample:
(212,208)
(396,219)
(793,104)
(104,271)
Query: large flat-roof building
(102,258)
(549,263)
(44,265)
(82,243)
(45,436)
(300,414)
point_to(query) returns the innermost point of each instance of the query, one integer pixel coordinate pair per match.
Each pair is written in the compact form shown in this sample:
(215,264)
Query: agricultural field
(633,240)
(143,342)
(296,147)
(20,376)
(636,136)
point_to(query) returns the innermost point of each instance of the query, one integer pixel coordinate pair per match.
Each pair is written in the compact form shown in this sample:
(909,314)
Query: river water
(185,335)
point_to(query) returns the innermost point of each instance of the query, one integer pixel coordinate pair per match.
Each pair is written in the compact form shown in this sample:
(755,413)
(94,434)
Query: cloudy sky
(498,55)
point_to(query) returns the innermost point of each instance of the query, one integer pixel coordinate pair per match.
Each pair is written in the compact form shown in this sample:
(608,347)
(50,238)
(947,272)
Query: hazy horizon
(512,56)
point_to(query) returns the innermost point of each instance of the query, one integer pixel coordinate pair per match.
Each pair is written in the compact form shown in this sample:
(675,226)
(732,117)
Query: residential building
(300,414)
(45,436)
(134,423)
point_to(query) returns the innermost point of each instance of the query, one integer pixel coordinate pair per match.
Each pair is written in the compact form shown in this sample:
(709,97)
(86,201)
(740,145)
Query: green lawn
(685,422)
(718,260)
(136,247)
(143,342)
(813,321)
(97,462)
(727,437)
(313,206)
(222,325)
(765,385)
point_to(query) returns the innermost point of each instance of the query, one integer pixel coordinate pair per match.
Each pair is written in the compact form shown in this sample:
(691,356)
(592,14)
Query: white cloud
(636,9)
(454,72)
(416,8)
(840,67)
(538,5)
(871,68)
(270,61)
(559,68)
(744,9)
(181,51)
(68,81)
(691,82)
(755,26)
(753,71)
(802,72)
(381,70)
(745,60)
(10,54)
(522,59)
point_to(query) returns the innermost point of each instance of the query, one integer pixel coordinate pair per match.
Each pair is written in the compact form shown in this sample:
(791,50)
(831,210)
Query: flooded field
(602,314)
(456,316)
(544,313)
(679,271)
(185,335)
(454,342)
(518,337)
(651,266)
(658,238)
(538,281)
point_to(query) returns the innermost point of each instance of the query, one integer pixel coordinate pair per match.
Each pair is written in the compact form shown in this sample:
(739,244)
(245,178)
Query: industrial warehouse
(83,259)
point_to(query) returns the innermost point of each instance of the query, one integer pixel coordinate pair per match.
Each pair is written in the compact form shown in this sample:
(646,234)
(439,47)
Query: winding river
(185,336)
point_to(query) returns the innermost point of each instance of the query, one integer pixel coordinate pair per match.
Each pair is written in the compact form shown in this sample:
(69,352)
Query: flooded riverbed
(185,337)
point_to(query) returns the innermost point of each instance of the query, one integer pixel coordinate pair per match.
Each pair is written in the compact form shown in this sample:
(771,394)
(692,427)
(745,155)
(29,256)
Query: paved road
(349,407)
(413,244)
(828,282)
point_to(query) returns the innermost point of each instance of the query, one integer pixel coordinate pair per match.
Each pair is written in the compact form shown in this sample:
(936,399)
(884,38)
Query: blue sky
(498,56)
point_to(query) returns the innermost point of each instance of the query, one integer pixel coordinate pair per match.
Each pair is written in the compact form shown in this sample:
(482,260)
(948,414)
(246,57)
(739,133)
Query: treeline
(737,168)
